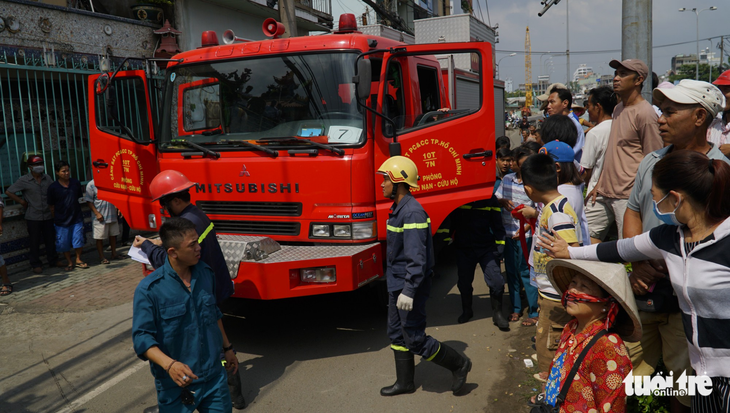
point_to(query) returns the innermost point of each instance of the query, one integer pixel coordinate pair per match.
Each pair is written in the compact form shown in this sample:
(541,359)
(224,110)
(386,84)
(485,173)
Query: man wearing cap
(634,134)
(719,131)
(38,216)
(172,190)
(687,110)
(560,102)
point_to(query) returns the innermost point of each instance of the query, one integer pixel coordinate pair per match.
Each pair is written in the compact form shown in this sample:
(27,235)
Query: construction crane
(528,69)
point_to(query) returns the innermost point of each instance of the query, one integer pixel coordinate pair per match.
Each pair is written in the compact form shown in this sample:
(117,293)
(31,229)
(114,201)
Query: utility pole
(567,41)
(722,49)
(636,42)
(288,17)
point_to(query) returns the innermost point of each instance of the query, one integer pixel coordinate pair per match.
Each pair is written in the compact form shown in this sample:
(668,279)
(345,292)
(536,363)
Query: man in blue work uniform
(479,239)
(177,326)
(171,188)
(410,267)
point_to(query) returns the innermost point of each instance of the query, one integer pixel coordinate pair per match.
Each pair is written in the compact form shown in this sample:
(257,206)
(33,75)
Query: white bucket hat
(690,92)
(613,279)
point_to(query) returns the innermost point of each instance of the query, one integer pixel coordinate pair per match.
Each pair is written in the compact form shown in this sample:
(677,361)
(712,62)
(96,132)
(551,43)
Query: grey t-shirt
(35,194)
(106,209)
(640,199)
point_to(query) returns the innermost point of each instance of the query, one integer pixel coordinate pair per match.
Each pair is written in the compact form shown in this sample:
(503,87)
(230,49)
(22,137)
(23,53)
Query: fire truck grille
(257,227)
(276,209)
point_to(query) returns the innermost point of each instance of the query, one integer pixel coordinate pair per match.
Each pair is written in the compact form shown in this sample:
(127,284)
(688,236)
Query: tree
(688,72)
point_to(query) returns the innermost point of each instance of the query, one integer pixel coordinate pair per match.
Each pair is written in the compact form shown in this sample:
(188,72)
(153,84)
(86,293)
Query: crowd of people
(647,187)
(54,218)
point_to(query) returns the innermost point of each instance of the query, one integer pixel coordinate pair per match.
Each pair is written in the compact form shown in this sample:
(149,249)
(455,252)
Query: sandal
(537,400)
(541,376)
(514,317)
(82,265)
(105,261)
(69,268)
(6,289)
(528,322)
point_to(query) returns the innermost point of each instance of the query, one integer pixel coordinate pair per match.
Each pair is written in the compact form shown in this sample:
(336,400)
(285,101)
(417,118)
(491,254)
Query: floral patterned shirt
(598,386)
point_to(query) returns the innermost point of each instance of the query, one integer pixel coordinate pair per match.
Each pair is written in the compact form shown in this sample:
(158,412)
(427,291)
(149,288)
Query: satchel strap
(576,366)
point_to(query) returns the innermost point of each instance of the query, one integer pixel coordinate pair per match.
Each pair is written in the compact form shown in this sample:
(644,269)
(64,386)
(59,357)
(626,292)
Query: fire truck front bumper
(263,269)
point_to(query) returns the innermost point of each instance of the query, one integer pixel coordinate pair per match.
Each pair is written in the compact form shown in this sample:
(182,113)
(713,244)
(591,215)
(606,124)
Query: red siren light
(347,23)
(273,28)
(209,38)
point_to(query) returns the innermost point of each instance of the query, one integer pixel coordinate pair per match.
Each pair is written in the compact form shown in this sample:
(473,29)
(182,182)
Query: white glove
(404,303)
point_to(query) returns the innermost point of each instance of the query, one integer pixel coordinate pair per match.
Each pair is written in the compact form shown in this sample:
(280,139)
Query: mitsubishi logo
(244,172)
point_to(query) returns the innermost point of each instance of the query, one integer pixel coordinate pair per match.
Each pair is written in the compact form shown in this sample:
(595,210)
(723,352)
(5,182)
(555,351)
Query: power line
(607,51)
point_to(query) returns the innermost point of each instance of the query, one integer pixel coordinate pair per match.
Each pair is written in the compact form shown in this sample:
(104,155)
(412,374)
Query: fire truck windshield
(259,99)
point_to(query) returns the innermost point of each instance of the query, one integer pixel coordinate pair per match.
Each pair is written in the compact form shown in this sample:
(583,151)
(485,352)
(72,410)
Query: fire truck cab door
(123,153)
(453,147)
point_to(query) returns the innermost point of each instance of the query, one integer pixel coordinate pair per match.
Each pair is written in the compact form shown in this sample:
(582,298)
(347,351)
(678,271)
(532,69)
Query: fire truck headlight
(320,230)
(364,230)
(342,231)
(318,275)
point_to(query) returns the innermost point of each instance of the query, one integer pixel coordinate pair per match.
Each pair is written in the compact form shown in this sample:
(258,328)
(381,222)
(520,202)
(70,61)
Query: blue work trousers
(210,396)
(518,276)
(407,329)
(466,262)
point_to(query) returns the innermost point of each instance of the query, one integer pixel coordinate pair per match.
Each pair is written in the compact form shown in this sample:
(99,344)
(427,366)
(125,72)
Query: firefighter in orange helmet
(172,190)
(410,263)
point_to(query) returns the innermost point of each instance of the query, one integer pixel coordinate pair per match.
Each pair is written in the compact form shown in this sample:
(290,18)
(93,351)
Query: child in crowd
(540,179)
(502,142)
(63,198)
(570,183)
(510,195)
(104,222)
(504,162)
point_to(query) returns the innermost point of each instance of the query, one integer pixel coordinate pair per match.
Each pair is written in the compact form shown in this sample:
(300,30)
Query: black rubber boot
(466,309)
(404,370)
(234,387)
(498,316)
(459,365)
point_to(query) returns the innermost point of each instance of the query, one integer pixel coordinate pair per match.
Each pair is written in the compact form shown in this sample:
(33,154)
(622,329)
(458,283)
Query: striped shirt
(557,215)
(512,190)
(701,279)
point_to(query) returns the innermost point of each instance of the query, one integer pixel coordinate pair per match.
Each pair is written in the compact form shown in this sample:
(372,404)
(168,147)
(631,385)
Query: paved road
(66,347)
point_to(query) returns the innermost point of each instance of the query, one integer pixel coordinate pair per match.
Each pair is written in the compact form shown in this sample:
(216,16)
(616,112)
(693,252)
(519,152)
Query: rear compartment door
(454,150)
(123,153)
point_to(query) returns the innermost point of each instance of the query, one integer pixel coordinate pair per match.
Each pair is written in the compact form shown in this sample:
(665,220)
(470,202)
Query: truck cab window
(122,109)
(394,100)
(428,85)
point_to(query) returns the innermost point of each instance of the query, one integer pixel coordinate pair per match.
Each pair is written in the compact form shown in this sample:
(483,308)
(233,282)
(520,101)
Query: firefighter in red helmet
(171,189)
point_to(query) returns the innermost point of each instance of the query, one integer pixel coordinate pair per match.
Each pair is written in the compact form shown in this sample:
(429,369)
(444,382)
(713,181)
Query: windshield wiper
(196,146)
(250,145)
(336,151)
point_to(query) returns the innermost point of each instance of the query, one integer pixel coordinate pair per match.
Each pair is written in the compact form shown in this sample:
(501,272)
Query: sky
(595,27)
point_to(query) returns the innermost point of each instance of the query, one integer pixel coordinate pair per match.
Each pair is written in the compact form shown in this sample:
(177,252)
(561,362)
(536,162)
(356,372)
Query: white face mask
(38,169)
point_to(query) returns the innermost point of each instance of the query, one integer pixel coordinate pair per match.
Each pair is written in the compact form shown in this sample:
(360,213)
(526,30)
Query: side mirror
(101,84)
(363,78)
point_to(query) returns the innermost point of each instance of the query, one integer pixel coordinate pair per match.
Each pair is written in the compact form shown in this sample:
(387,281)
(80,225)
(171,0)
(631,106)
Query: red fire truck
(283,137)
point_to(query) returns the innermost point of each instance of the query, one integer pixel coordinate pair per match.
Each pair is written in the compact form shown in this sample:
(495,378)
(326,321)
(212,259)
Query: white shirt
(594,151)
(719,131)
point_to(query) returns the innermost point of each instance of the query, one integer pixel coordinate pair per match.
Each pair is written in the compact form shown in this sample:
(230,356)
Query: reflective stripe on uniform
(398,348)
(421,225)
(205,233)
(434,354)
(498,242)
(442,231)
(496,209)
